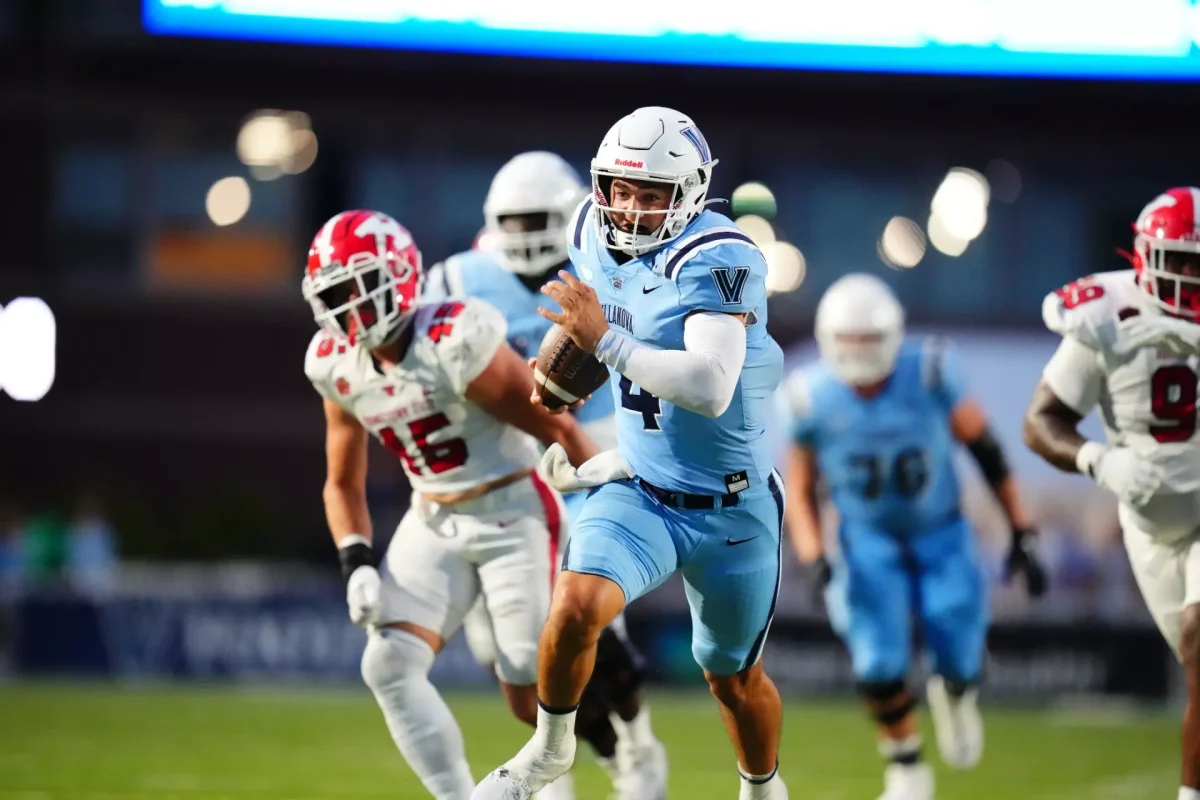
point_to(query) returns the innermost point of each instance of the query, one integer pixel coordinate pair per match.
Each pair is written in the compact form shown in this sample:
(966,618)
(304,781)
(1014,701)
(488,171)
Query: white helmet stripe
(323,243)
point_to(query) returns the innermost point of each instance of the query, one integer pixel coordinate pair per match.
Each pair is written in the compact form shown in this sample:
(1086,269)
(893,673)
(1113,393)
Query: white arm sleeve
(700,378)
(1074,375)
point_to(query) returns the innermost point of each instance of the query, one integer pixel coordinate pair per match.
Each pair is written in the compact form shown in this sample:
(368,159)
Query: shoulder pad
(577,229)
(1089,309)
(322,355)
(465,334)
(710,245)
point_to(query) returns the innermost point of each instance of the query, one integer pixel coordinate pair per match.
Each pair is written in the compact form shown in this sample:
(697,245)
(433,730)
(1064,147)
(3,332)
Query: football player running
(673,299)
(439,386)
(1131,345)
(528,205)
(879,418)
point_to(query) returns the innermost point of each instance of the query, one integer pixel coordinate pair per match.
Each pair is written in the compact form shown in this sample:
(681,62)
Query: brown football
(565,372)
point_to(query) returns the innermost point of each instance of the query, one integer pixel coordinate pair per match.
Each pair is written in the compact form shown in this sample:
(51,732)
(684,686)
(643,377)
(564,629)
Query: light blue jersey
(711,266)
(888,460)
(704,499)
(905,550)
(477,273)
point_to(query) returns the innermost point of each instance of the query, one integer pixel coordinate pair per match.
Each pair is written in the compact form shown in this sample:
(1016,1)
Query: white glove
(603,468)
(1180,337)
(363,596)
(1121,471)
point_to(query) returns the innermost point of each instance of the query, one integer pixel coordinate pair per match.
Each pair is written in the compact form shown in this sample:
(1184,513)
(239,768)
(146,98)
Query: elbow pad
(988,453)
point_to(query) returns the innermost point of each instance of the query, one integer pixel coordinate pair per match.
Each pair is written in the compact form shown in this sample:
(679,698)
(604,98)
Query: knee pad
(890,700)
(481,640)
(516,665)
(392,658)
(619,668)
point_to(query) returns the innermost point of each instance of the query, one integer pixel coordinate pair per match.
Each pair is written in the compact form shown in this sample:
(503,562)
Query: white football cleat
(638,772)
(957,723)
(907,782)
(530,771)
(561,789)
(502,784)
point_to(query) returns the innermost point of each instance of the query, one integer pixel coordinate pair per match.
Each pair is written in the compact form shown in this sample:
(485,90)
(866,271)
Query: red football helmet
(1166,252)
(363,276)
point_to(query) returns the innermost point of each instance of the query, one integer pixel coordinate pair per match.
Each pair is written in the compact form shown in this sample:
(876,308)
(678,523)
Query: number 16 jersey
(887,460)
(418,409)
(1147,399)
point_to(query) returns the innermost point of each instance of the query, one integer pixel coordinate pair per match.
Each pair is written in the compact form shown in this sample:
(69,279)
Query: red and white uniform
(1147,402)
(502,544)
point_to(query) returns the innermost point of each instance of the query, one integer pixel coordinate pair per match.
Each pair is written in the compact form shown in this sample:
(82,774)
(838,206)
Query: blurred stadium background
(171,619)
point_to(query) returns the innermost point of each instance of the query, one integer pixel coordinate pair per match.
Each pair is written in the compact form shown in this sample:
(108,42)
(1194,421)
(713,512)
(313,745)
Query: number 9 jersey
(418,409)
(1147,398)
(888,460)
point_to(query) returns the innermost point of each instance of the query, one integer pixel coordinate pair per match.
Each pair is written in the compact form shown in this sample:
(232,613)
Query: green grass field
(70,742)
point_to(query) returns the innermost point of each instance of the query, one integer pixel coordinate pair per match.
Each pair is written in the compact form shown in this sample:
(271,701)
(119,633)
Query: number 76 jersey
(418,409)
(1147,399)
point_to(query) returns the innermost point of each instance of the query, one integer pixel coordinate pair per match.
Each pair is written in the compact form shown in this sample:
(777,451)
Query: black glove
(1023,560)
(818,574)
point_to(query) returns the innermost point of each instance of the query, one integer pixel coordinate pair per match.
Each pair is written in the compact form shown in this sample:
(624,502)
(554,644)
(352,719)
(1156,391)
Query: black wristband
(354,556)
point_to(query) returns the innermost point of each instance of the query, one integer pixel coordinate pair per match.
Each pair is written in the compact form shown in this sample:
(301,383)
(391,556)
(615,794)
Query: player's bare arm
(503,390)
(345,492)
(970,426)
(803,517)
(1051,429)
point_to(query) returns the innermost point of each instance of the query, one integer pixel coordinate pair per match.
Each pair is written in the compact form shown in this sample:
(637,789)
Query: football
(565,372)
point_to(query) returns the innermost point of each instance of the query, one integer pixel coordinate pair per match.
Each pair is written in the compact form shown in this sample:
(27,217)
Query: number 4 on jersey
(642,403)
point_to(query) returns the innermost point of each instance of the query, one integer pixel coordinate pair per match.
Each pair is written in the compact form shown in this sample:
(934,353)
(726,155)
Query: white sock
(636,731)
(759,787)
(553,729)
(561,789)
(1188,794)
(396,666)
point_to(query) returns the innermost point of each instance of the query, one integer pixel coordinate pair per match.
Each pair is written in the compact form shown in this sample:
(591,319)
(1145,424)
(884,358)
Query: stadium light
(786,267)
(757,228)
(228,200)
(28,339)
(902,245)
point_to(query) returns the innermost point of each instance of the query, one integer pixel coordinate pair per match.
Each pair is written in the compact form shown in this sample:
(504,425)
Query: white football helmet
(860,326)
(532,183)
(659,145)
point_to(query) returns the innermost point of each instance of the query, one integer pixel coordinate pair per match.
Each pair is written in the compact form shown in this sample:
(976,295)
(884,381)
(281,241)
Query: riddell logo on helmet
(625,162)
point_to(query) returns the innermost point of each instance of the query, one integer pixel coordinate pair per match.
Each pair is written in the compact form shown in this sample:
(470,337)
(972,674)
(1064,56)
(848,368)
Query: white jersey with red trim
(1147,398)
(418,409)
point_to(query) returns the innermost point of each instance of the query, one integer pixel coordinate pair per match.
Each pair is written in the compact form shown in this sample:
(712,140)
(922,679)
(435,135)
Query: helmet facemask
(1169,274)
(861,358)
(638,231)
(528,243)
(359,301)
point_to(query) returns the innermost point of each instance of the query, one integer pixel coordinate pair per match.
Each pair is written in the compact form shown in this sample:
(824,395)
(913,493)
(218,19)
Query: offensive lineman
(1131,346)
(878,418)
(673,300)
(438,385)
(527,208)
